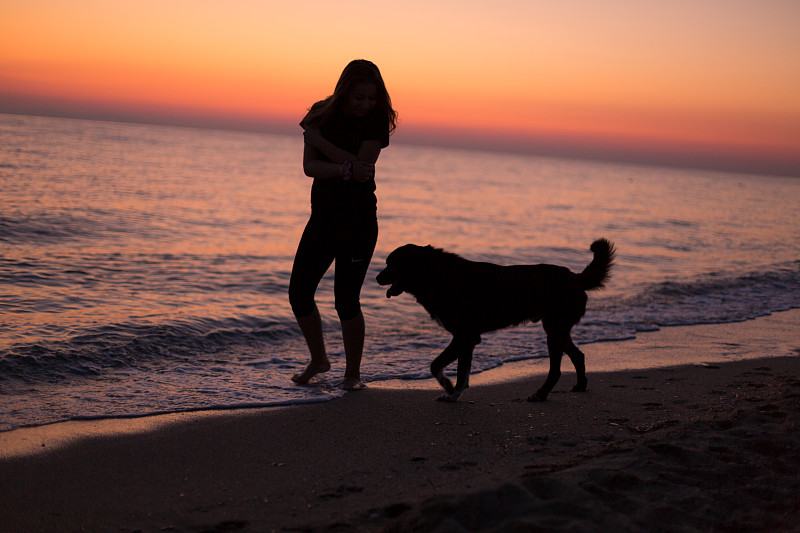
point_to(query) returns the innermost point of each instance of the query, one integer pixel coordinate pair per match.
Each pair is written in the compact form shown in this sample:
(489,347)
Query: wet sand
(696,447)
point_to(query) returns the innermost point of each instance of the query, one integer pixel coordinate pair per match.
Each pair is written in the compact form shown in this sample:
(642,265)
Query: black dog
(469,298)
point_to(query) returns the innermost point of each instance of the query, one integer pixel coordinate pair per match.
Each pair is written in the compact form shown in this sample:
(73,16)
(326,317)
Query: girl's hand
(363,171)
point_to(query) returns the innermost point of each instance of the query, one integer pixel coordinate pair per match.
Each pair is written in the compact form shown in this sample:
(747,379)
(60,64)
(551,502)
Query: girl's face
(362,99)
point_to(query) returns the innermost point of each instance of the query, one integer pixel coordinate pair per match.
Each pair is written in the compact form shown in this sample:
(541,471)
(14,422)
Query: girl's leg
(311,326)
(353,332)
(352,264)
(314,256)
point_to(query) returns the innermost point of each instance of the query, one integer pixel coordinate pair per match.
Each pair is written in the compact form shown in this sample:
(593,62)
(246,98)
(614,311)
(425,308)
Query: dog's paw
(580,386)
(446,384)
(450,398)
(537,397)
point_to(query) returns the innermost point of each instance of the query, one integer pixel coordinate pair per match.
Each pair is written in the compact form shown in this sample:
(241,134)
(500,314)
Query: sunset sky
(700,82)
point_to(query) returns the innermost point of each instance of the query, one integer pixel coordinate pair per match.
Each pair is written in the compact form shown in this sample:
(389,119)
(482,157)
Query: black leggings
(348,239)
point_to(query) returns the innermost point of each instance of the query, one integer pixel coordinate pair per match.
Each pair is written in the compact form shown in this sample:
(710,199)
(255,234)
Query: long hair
(357,71)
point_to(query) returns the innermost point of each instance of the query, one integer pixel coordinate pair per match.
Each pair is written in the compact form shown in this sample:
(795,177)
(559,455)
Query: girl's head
(359,90)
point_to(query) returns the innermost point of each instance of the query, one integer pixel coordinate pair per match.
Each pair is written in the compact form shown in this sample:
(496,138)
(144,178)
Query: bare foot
(311,370)
(352,384)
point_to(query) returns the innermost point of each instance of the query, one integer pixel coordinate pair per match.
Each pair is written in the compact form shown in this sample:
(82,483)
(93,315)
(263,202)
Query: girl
(343,136)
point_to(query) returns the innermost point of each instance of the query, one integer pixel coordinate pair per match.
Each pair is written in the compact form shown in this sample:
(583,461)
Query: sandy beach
(713,446)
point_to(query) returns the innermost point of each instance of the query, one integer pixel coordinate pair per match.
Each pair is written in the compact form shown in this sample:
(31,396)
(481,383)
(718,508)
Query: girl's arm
(369,150)
(364,166)
(316,145)
(316,167)
(313,137)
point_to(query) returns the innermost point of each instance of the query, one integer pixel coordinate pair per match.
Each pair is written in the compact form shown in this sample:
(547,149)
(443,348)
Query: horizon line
(593,150)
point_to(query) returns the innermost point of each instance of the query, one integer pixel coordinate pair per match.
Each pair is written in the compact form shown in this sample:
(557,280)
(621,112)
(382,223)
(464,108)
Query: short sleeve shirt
(348,132)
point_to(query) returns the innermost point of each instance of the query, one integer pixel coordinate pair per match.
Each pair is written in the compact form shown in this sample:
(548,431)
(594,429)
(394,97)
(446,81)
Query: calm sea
(144,269)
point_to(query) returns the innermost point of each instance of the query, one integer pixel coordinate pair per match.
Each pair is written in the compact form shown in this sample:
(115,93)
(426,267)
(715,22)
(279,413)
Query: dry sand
(700,447)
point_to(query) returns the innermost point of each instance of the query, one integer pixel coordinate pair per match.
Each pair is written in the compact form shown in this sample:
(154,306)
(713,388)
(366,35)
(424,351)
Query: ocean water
(144,269)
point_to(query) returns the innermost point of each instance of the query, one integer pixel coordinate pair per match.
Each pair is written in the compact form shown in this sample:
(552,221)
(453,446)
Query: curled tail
(596,274)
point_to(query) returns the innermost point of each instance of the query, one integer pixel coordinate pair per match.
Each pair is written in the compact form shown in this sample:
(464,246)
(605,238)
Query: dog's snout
(383,277)
(388,276)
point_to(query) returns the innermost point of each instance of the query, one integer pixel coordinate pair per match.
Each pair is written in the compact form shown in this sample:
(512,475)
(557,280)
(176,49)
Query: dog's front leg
(461,349)
(438,365)
(464,368)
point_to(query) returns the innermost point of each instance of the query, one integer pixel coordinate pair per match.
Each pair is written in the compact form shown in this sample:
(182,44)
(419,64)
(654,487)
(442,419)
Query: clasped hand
(363,171)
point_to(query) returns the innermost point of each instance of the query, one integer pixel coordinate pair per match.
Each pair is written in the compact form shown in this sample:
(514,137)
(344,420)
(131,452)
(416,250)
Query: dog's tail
(596,274)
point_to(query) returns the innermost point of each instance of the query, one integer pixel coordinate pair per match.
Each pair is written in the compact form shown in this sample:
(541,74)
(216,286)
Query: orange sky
(664,78)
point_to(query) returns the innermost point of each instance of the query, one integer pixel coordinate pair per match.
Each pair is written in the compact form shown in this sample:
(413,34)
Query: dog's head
(401,266)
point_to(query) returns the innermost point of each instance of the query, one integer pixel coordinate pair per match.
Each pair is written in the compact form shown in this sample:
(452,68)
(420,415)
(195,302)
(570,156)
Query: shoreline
(659,449)
(673,343)
(605,356)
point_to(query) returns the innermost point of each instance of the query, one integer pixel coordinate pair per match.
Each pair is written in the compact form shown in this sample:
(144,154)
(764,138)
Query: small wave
(44,228)
(143,346)
(783,280)
(716,297)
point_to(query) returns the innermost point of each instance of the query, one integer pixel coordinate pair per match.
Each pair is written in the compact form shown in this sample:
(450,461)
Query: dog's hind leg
(556,344)
(579,362)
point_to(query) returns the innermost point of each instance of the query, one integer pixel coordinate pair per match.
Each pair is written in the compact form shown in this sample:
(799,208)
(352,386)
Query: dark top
(348,132)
